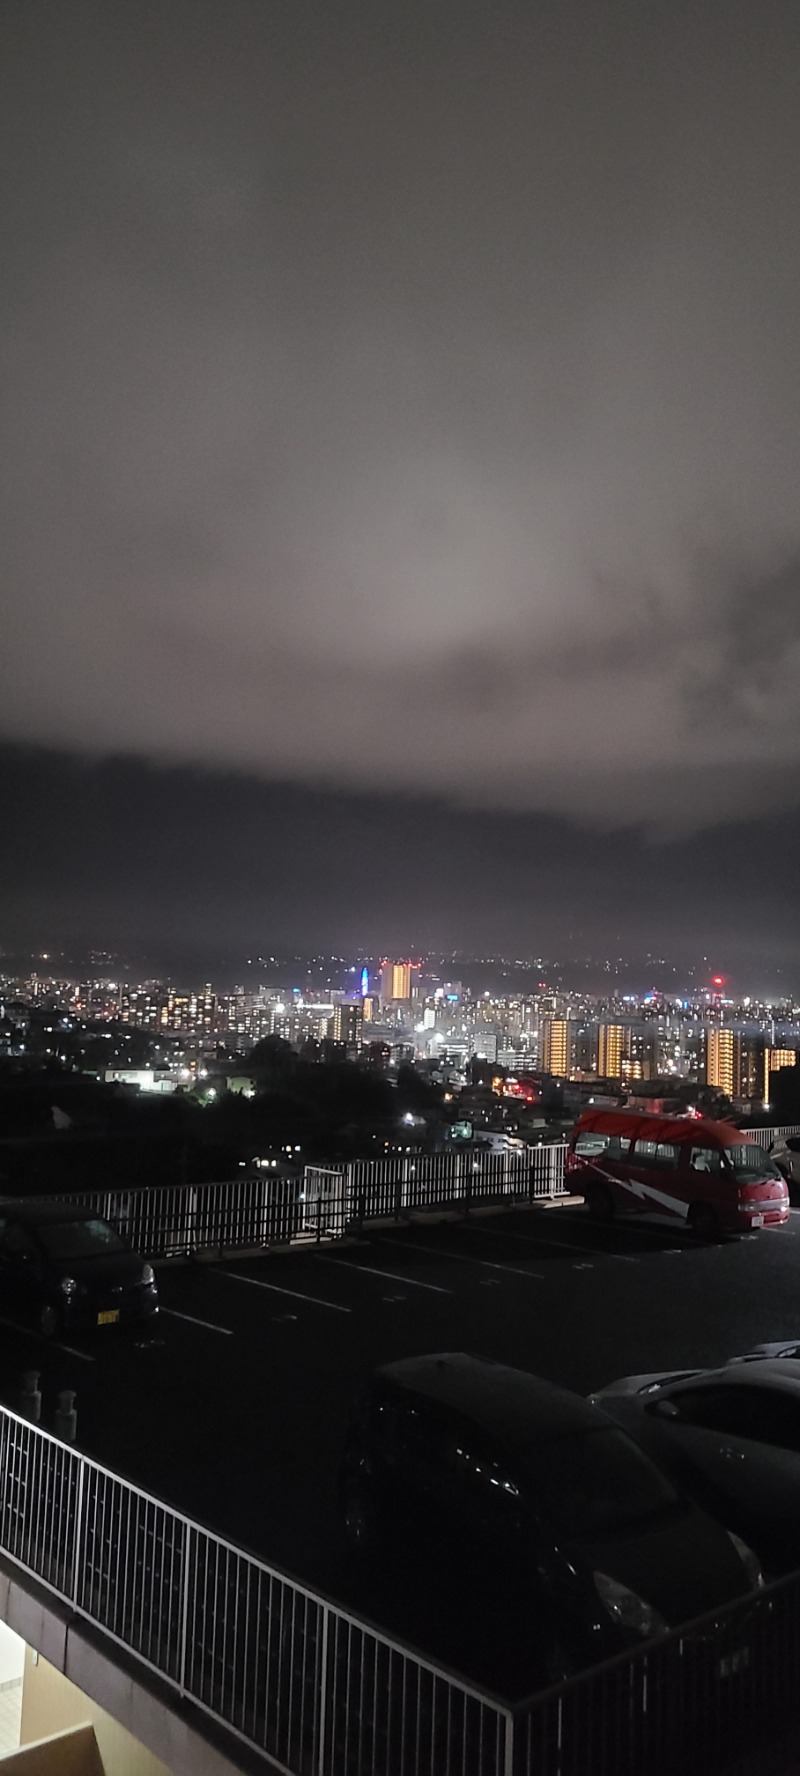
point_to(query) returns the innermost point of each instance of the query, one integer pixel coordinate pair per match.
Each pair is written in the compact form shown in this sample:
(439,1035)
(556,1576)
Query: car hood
(111,1270)
(684,1565)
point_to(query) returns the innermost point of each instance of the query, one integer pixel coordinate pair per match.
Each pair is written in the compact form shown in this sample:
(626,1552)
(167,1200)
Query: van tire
(705,1224)
(598,1200)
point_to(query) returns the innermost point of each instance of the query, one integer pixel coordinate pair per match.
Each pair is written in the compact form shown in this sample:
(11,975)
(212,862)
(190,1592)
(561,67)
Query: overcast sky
(407,398)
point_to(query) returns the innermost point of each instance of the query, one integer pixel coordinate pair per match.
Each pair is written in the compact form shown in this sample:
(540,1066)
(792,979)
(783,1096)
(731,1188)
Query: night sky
(400,460)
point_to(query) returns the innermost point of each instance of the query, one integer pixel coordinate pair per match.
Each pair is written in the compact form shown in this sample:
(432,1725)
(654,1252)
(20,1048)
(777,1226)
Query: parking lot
(235,1408)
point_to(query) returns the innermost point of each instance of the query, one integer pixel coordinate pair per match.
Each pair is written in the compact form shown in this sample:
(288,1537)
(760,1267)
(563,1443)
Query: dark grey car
(729,1436)
(551,1513)
(64,1268)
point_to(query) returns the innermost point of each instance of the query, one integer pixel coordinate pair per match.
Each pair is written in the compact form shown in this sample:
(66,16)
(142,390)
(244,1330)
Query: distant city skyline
(188,866)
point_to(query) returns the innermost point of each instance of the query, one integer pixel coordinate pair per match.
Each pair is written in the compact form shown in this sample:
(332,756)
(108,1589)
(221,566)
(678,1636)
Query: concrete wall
(121,1691)
(73,1753)
(12,1655)
(50,1703)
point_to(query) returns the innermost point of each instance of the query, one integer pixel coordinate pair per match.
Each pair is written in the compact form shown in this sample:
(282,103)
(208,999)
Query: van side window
(644,1152)
(590,1144)
(593,1142)
(666,1155)
(704,1159)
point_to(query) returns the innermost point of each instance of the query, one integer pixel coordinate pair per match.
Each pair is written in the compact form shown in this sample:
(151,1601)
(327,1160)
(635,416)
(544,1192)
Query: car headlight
(148,1275)
(749,1560)
(68,1286)
(626,1608)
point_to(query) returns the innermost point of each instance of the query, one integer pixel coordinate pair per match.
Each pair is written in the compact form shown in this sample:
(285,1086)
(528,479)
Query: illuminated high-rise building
(395,981)
(347,1025)
(723,1060)
(612,1049)
(557,1046)
(751,1067)
(194,1013)
(774,1058)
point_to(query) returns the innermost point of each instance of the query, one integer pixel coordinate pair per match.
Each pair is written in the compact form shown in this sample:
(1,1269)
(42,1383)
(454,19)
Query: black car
(459,1466)
(63,1267)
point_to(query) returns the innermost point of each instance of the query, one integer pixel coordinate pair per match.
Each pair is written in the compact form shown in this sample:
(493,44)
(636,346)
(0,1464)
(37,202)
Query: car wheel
(48,1321)
(598,1200)
(704,1223)
(359,1520)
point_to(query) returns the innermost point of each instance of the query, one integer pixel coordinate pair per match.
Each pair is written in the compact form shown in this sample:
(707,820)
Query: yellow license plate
(109,1318)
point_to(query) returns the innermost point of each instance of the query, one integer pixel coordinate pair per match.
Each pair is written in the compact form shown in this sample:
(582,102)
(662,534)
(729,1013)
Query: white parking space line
(256,1283)
(210,1325)
(28,1332)
(15,1327)
(534,1239)
(85,1356)
(391,1275)
(462,1258)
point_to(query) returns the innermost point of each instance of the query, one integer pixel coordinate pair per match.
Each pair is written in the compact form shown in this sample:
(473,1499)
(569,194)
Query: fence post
(323,1693)
(78,1562)
(508,1748)
(30,1400)
(187,1544)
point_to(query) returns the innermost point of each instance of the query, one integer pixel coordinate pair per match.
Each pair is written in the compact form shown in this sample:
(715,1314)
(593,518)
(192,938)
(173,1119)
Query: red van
(706,1174)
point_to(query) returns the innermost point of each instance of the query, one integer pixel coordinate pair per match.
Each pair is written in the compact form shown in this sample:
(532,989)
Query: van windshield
(599,1482)
(750,1163)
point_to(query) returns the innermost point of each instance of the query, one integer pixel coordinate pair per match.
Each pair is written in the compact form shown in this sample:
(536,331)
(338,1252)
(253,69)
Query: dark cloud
(160,861)
(408,398)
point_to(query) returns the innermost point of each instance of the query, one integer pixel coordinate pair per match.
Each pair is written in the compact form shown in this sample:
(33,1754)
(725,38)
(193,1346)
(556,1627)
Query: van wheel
(598,1200)
(705,1224)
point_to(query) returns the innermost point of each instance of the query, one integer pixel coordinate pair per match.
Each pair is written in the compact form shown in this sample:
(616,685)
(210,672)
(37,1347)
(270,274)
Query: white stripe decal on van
(647,1192)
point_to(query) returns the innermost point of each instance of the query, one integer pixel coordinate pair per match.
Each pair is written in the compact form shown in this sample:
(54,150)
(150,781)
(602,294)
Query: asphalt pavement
(235,1408)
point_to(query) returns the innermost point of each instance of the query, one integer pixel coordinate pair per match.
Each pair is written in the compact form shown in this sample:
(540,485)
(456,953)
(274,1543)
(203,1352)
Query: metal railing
(317,1690)
(715,1698)
(244,1213)
(387,1189)
(320,1692)
(767,1137)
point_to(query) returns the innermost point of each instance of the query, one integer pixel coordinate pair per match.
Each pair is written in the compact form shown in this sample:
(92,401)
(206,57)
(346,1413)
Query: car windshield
(751,1163)
(599,1482)
(79,1239)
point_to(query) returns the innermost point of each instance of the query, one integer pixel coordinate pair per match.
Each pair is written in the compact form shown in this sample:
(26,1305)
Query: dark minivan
(458,1464)
(64,1268)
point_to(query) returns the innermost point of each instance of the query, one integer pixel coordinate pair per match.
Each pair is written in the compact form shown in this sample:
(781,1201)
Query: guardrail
(320,1692)
(241,1213)
(767,1137)
(175,1220)
(317,1690)
(386,1189)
